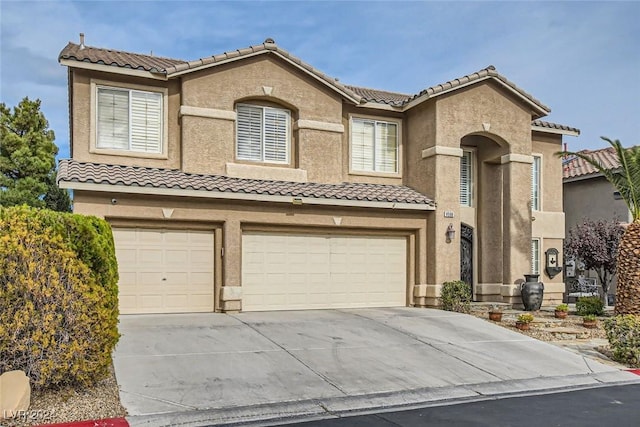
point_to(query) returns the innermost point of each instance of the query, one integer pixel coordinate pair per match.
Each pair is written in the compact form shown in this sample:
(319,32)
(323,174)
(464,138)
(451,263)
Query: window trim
(399,150)
(288,135)
(472,174)
(540,181)
(95,84)
(535,261)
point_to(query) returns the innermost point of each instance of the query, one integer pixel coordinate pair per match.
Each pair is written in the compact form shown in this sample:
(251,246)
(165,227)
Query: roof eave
(223,195)
(73,63)
(544,129)
(537,110)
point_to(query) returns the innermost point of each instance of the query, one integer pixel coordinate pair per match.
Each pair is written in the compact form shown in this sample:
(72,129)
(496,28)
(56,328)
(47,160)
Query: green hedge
(456,296)
(58,296)
(623,333)
(589,305)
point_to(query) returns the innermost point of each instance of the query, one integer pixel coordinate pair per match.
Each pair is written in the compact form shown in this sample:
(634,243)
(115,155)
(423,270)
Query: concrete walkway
(204,369)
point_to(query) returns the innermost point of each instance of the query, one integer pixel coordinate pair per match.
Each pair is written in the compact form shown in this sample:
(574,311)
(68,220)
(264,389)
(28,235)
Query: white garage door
(293,272)
(164,271)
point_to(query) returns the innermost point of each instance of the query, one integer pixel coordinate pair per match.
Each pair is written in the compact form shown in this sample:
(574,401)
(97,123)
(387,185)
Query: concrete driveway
(203,369)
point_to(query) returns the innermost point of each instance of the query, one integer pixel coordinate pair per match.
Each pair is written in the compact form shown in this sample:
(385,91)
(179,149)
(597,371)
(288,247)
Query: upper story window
(262,134)
(466,178)
(129,120)
(535,183)
(374,146)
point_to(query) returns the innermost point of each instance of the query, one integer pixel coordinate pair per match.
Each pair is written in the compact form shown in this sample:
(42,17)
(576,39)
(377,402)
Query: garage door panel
(165,271)
(282,272)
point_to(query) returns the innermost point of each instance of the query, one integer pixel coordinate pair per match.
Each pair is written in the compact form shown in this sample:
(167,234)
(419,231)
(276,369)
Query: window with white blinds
(466,179)
(535,183)
(374,146)
(262,134)
(129,120)
(535,256)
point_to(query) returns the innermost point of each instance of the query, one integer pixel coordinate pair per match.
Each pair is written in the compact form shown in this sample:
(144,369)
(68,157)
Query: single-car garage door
(164,271)
(297,271)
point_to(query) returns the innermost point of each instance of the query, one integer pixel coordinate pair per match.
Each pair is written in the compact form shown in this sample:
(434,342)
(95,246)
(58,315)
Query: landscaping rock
(15,393)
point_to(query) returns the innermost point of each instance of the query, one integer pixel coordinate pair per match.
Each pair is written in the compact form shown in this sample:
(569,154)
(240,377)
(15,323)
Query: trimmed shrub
(589,305)
(456,296)
(58,301)
(623,333)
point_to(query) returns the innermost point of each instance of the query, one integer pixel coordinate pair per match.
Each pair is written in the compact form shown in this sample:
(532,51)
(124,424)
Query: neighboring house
(588,195)
(249,180)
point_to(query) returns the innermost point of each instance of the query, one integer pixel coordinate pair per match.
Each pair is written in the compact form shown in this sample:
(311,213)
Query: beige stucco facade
(200,133)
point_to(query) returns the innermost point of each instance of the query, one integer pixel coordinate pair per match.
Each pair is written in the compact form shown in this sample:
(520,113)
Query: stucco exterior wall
(267,81)
(592,198)
(234,217)
(82,110)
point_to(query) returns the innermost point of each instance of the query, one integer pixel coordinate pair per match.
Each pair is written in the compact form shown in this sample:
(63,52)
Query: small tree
(27,158)
(596,244)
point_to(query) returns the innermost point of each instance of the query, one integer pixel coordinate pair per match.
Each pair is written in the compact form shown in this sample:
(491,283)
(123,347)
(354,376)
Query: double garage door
(172,271)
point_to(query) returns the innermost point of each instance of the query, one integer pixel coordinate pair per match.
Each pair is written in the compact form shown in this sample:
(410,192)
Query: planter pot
(495,316)
(591,324)
(532,292)
(561,314)
(523,326)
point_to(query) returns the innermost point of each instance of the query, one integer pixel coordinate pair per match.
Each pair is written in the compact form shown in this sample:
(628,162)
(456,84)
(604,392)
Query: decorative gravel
(68,404)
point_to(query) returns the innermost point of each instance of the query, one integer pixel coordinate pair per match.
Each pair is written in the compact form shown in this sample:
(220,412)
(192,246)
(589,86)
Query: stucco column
(516,224)
(443,257)
(231,291)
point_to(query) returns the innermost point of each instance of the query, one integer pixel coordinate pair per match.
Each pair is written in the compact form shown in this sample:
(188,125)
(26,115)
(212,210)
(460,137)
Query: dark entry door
(466,255)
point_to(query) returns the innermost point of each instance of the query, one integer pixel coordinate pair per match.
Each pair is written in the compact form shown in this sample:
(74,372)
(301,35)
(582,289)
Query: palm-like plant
(626,179)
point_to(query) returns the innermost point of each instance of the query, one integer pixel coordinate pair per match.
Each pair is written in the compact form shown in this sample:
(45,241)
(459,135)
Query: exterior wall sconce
(451,233)
(551,263)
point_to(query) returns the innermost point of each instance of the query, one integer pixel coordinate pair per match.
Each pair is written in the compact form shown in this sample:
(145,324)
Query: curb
(634,371)
(109,422)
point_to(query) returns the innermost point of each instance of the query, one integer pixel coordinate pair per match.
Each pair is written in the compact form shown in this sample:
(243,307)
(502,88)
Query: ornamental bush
(623,333)
(589,305)
(456,296)
(58,296)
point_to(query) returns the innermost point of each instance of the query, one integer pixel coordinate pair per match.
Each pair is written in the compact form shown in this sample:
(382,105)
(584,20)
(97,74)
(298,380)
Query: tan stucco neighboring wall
(233,217)
(592,198)
(82,131)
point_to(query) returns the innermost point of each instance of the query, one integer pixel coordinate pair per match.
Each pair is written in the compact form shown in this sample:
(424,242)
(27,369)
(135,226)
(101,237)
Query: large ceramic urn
(532,292)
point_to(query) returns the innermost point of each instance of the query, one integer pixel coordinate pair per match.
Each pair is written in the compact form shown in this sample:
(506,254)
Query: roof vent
(270,40)
(81,40)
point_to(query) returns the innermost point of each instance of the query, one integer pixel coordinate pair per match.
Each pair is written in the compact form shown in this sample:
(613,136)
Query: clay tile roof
(490,71)
(116,58)
(542,123)
(380,96)
(133,176)
(574,167)
(172,66)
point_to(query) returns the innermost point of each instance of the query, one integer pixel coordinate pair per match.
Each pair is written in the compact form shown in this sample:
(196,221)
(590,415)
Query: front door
(466,255)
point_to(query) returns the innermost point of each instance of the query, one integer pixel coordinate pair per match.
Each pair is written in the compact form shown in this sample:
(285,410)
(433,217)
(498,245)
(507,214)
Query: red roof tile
(574,167)
(132,176)
(117,58)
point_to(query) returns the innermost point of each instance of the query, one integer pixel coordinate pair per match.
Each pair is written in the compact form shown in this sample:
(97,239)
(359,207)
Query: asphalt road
(606,406)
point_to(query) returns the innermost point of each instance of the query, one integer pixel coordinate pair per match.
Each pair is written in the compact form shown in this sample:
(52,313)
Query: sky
(582,59)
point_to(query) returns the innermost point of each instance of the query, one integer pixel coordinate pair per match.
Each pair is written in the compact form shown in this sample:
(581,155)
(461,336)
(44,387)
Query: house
(250,180)
(587,194)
